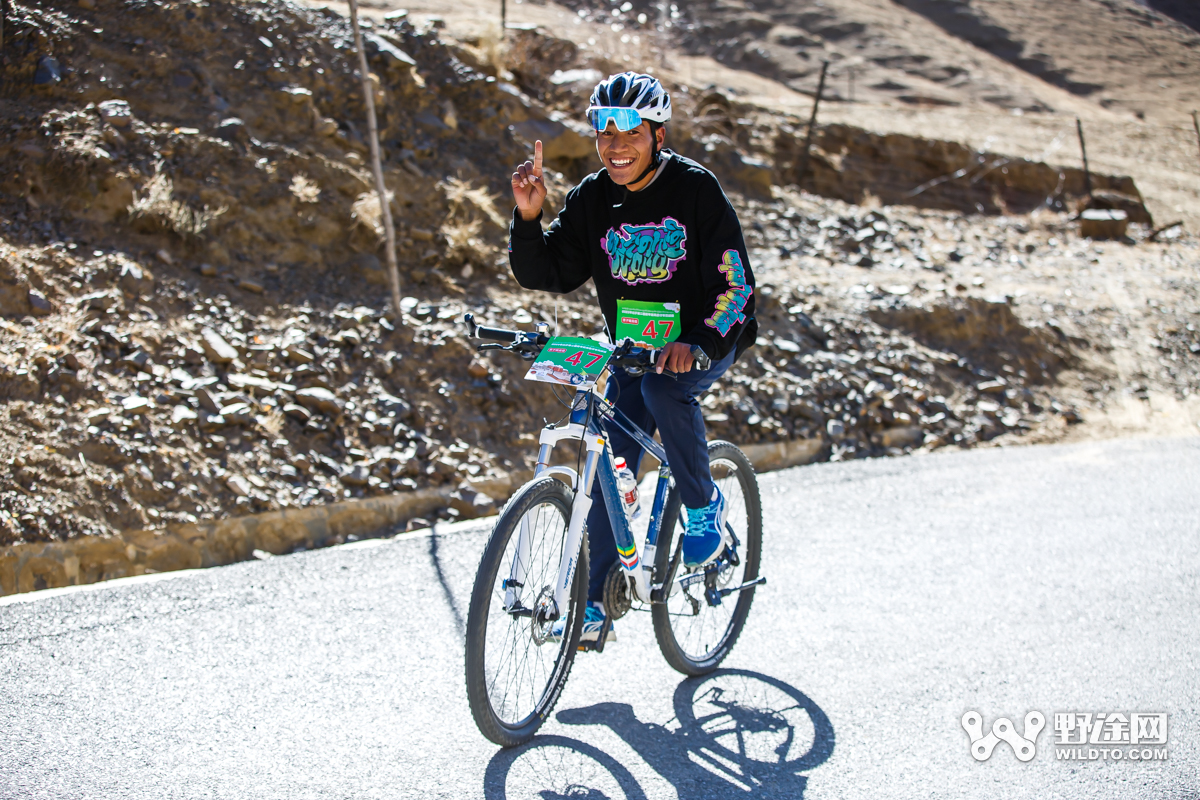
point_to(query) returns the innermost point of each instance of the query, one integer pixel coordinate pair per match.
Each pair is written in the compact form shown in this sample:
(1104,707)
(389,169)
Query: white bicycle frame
(637,564)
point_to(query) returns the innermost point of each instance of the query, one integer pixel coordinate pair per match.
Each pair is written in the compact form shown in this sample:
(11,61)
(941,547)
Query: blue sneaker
(705,536)
(593,621)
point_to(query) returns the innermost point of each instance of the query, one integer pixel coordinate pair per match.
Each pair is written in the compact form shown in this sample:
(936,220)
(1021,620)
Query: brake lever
(472,326)
(491,346)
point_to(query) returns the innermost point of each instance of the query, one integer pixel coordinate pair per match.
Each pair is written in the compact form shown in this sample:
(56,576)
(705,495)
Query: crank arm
(748,584)
(661,592)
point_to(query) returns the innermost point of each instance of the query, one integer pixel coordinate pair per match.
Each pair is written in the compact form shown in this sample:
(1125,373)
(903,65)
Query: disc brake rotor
(545,614)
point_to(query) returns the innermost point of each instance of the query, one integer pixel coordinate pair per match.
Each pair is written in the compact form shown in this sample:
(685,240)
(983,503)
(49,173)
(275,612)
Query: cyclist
(650,227)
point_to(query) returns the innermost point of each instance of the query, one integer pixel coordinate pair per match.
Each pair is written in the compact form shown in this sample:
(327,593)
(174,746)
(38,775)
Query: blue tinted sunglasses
(626,119)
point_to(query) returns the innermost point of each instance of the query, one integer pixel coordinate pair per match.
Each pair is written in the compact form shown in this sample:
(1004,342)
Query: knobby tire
(669,623)
(542,497)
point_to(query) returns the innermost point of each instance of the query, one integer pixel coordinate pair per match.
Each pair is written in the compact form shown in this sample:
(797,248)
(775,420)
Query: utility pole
(1196,125)
(385,207)
(3,20)
(1087,175)
(503,19)
(812,123)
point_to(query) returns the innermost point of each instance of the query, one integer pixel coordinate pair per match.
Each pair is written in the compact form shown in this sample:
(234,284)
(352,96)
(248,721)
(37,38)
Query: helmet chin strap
(655,158)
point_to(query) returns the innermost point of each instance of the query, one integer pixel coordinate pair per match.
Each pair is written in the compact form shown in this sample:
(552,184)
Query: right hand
(529,186)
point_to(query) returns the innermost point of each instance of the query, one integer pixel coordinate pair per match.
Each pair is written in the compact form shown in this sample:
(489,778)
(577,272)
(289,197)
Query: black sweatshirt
(678,240)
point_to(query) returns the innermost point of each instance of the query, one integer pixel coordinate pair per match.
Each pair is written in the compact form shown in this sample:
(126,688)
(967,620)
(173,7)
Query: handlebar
(477,331)
(634,360)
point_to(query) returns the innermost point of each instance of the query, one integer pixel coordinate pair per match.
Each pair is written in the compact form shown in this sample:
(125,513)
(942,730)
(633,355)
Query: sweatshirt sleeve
(554,261)
(725,270)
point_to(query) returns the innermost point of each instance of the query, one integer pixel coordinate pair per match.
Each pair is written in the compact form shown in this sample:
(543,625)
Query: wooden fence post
(812,123)
(1196,125)
(385,206)
(1087,175)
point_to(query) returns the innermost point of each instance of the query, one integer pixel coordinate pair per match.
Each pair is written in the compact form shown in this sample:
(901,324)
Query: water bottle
(627,485)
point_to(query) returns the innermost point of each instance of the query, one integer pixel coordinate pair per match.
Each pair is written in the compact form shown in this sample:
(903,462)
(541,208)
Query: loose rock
(135,405)
(356,475)
(319,399)
(297,412)
(39,304)
(216,348)
(115,113)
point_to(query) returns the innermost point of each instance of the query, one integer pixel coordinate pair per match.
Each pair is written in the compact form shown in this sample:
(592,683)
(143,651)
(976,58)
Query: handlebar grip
(480,332)
(496,333)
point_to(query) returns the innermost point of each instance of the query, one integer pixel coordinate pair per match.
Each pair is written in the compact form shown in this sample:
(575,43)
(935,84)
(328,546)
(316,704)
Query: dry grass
(463,228)
(273,422)
(493,47)
(465,200)
(305,189)
(365,212)
(156,207)
(463,240)
(71,319)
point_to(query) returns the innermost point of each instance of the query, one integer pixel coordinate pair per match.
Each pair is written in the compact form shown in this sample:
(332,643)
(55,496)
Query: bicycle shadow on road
(736,733)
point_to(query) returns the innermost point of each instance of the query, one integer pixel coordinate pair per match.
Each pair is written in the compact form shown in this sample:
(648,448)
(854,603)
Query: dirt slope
(195,320)
(1117,53)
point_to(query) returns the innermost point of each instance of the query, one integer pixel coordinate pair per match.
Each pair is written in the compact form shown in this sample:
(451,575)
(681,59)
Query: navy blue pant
(669,404)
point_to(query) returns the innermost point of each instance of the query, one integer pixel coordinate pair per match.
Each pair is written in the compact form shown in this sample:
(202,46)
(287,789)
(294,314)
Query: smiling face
(626,154)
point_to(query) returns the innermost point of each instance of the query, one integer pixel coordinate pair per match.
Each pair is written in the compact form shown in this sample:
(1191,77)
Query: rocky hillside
(195,321)
(947,52)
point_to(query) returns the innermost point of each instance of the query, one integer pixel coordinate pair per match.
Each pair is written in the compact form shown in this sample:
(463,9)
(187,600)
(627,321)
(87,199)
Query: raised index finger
(537,157)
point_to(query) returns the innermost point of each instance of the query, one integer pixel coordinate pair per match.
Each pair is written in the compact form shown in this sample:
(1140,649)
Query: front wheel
(694,632)
(518,652)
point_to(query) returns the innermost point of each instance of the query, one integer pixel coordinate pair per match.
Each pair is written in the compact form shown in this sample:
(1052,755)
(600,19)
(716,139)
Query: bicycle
(534,569)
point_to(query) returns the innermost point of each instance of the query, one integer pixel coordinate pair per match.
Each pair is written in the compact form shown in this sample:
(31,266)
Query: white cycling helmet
(628,99)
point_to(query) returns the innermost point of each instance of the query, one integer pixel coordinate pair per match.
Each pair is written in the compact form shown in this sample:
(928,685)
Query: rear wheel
(516,666)
(697,627)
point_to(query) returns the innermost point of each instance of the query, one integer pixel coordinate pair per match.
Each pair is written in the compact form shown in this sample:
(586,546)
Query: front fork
(579,511)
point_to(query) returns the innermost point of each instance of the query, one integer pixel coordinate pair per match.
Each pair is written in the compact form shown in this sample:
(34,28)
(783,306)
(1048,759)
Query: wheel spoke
(518,673)
(701,637)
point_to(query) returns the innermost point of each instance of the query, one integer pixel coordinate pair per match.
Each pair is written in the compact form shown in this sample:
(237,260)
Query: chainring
(617,597)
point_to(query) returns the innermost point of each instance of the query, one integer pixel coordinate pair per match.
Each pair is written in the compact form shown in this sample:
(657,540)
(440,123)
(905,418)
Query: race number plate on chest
(570,360)
(649,324)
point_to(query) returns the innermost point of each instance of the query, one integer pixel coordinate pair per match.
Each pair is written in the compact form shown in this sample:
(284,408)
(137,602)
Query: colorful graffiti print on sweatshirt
(645,253)
(730,303)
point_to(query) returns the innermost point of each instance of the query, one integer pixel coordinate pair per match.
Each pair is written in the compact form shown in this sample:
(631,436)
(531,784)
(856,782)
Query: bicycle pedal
(607,636)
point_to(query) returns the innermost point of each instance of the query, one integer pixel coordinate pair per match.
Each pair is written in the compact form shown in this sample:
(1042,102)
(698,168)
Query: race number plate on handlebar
(571,361)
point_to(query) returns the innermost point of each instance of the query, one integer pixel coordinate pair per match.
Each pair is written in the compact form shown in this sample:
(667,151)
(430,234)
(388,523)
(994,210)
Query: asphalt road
(903,593)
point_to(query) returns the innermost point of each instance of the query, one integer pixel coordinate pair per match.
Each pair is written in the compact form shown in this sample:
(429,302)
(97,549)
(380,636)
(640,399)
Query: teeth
(621,162)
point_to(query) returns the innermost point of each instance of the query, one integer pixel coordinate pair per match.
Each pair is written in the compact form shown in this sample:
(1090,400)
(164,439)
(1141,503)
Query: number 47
(576,357)
(652,331)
